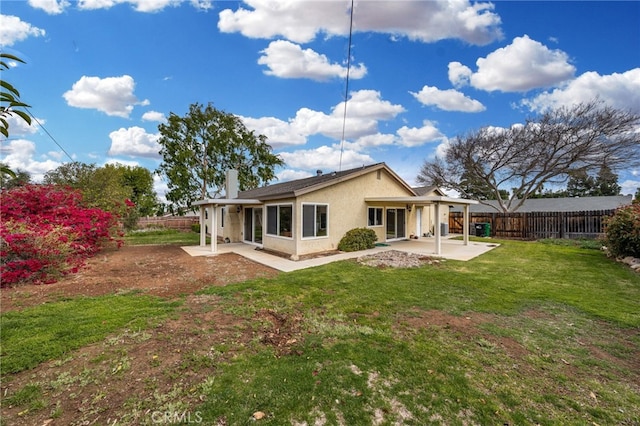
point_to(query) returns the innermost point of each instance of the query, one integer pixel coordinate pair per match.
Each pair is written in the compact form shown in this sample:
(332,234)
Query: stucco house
(311,215)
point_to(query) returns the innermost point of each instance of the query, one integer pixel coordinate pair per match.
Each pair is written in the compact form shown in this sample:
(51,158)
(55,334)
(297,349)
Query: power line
(48,134)
(346,89)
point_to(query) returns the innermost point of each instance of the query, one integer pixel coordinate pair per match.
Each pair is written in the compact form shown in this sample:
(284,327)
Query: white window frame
(380,217)
(315,221)
(278,228)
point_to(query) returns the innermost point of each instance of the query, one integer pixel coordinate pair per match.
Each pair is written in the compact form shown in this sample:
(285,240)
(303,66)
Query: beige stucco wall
(232,223)
(428,220)
(347,209)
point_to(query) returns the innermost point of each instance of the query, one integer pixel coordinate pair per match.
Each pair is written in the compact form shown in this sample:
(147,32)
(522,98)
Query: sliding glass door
(253,225)
(396,228)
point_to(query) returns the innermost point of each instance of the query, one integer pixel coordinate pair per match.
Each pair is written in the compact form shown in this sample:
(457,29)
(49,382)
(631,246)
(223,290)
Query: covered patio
(451,248)
(439,203)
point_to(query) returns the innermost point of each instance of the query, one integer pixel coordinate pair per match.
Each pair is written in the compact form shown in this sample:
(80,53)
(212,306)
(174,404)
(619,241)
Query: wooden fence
(180,223)
(536,225)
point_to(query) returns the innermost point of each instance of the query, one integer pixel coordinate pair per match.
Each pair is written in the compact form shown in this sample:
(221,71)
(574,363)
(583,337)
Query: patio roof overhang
(436,201)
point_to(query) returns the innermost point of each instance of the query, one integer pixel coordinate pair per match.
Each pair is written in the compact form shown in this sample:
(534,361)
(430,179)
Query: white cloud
(279,133)
(459,75)
(367,104)
(154,116)
(19,127)
(618,90)
(288,60)
(13,29)
(325,158)
(112,95)
(426,21)
(364,109)
(134,142)
(202,4)
(18,154)
(523,65)
(52,7)
(373,141)
(416,136)
(139,5)
(289,174)
(447,100)
(441,149)
(629,187)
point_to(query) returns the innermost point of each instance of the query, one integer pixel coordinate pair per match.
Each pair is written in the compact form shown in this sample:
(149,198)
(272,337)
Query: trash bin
(483,229)
(444,229)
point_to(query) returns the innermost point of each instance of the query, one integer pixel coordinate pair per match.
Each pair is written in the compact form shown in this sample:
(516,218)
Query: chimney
(231,184)
(318,172)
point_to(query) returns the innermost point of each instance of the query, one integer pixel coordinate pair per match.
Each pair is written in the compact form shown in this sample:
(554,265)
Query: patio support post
(214,228)
(203,231)
(465,224)
(437,226)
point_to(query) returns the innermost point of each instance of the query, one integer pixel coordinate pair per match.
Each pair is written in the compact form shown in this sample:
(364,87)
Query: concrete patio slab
(451,249)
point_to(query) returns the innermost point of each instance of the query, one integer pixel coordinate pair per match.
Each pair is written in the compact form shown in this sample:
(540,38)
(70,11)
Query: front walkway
(451,249)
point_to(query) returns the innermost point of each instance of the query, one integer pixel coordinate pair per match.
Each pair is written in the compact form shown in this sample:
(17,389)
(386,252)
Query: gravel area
(397,259)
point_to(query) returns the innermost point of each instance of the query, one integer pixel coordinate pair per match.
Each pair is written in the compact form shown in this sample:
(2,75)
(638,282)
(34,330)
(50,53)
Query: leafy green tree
(76,175)
(545,150)
(606,183)
(124,190)
(580,184)
(140,180)
(636,197)
(200,147)
(101,187)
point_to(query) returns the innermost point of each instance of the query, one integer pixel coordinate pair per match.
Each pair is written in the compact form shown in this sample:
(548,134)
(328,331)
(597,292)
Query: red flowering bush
(45,233)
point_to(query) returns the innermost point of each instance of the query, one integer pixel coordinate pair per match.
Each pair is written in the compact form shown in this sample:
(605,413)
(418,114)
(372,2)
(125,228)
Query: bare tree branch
(544,150)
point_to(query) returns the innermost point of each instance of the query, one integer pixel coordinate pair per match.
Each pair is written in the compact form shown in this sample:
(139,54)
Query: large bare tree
(543,150)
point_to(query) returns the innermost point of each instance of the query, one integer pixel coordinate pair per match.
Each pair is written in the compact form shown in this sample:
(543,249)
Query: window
(375,216)
(279,220)
(314,220)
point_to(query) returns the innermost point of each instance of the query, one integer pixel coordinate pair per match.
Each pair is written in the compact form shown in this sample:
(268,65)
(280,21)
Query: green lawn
(49,331)
(529,333)
(162,236)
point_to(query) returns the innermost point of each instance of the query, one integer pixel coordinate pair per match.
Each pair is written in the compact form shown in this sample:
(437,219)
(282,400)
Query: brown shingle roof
(426,190)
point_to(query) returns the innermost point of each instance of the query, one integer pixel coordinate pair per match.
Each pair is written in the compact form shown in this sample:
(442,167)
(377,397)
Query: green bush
(195,227)
(358,239)
(622,235)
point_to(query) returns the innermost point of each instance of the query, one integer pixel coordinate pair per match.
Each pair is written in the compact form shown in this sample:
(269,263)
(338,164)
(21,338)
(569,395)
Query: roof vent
(318,172)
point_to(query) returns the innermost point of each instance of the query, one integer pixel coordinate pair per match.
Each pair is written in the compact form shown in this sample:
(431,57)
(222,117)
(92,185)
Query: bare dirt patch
(160,270)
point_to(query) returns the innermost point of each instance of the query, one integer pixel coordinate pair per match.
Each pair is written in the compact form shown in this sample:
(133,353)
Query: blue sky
(102,74)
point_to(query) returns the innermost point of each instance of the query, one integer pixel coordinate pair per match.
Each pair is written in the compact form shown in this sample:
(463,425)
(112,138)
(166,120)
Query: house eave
(226,202)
